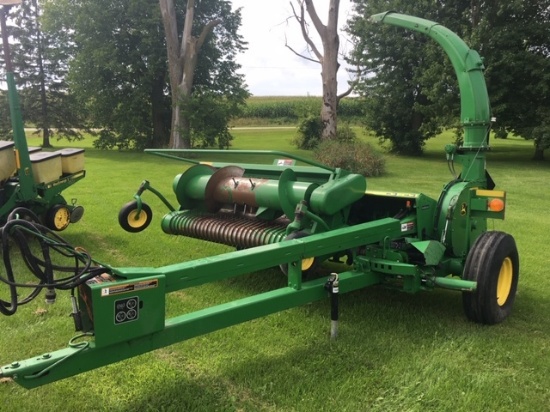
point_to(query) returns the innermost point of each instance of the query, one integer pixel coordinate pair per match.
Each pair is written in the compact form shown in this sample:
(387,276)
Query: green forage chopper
(296,217)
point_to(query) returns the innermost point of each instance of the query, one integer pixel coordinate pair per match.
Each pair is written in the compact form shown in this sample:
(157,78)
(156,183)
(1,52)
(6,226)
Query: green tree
(117,67)
(120,67)
(408,84)
(514,39)
(40,66)
(410,89)
(202,42)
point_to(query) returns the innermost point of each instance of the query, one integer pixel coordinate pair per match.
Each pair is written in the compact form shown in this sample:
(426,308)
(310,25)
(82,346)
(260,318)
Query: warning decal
(129,287)
(126,310)
(405,227)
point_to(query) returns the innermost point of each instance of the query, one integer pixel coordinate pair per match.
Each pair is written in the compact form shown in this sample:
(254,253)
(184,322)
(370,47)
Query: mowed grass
(395,351)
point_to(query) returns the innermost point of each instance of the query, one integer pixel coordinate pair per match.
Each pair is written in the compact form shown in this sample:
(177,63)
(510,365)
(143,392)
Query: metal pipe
(455,284)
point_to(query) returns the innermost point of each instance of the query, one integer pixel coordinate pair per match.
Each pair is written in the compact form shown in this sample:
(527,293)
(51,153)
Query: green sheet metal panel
(432,250)
(118,311)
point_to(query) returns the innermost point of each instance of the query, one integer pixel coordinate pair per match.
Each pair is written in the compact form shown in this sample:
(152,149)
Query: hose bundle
(20,229)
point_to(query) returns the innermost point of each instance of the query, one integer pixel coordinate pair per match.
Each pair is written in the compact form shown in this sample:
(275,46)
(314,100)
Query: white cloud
(271,69)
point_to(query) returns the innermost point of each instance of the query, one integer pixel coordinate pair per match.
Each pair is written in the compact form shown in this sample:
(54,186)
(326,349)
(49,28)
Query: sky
(270,68)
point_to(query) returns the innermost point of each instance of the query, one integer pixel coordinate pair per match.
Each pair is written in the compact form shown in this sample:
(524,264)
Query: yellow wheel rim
(61,218)
(504,284)
(136,221)
(307,263)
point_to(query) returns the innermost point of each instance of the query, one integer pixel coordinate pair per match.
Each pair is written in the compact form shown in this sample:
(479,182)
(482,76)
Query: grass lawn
(395,352)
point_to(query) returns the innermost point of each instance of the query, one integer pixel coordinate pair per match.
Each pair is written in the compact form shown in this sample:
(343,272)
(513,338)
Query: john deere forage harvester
(294,216)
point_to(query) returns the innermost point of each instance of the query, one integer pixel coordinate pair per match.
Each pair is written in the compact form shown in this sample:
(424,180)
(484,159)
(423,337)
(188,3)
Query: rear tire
(131,221)
(493,262)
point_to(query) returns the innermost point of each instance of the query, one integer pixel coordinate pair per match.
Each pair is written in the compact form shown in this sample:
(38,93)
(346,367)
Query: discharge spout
(474,101)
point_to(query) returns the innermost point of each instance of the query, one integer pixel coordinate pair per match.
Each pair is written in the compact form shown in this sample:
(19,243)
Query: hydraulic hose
(21,227)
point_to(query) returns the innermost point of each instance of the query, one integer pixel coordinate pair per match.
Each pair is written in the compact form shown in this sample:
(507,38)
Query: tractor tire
(308,264)
(131,221)
(493,262)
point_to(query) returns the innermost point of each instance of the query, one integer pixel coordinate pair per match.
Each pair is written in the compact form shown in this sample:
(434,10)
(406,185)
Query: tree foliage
(119,67)
(409,86)
(514,38)
(40,67)
(309,133)
(202,42)
(209,115)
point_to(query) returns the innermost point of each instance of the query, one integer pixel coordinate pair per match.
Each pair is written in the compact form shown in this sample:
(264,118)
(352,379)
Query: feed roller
(225,228)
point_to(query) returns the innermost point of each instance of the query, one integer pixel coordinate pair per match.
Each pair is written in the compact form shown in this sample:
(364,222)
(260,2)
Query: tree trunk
(182,61)
(539,153)
(160,132)
(45,126)
(330,65)
(328,60)
(541,137)
(185,88)
(475,12)
(330,104)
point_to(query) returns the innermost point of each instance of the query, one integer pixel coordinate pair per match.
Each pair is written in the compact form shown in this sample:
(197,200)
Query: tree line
(164,73)
(408,85)
(144,75)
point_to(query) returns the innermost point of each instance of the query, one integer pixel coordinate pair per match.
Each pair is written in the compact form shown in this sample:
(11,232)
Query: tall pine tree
(40,66)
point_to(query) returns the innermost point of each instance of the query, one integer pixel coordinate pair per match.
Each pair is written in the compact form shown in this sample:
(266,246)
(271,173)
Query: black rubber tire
(127,217)
(76,214)
(493,262)
(311,265)
(58,218)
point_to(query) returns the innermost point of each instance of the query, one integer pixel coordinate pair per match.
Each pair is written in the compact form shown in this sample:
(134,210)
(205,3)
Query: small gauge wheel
(58,217)
(133,220)
(308,264)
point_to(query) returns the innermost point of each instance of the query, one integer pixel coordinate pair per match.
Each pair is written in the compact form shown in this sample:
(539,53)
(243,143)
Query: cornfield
(291,108)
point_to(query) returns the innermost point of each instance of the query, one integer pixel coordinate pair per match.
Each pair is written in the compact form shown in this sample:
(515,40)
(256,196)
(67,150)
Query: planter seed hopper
(297,217)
